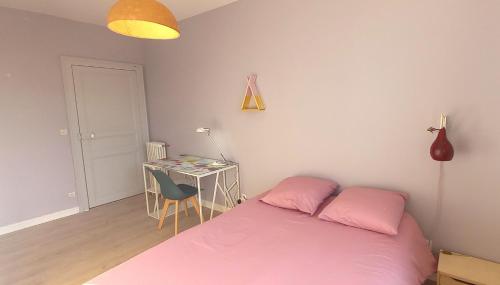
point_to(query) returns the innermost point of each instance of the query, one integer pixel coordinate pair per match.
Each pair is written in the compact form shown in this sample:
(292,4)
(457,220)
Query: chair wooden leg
(176,216)
(163,213)
(195,204)
(186,207)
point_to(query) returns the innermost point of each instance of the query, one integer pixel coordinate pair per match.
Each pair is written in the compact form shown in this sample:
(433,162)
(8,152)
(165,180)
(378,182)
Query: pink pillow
(300,193)
(367,208)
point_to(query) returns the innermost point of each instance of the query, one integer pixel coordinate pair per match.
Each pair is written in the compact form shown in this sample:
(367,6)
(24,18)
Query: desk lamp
(208,132)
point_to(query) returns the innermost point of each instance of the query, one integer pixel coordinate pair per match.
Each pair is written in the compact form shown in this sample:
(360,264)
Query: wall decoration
(252,92)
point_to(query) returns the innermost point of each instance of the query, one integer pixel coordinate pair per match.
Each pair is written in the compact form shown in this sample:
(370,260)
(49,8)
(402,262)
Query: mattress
(256,243)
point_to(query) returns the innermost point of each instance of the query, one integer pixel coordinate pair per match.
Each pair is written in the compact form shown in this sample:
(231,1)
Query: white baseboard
(217,207)
(38,220)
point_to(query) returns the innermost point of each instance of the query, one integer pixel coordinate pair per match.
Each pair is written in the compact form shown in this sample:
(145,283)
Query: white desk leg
(215,194)
(157,202)
(227,193)
(152,185)
(238,182)
(224,184)
(146,188)
(199,199)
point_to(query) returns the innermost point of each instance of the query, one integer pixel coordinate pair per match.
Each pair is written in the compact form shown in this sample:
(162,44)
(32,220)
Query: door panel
(114,182)
(111,130)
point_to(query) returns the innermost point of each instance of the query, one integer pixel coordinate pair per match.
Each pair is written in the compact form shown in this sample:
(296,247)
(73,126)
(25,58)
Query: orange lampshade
(145,19)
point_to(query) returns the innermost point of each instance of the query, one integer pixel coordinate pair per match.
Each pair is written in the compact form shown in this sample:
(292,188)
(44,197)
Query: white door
(112,130)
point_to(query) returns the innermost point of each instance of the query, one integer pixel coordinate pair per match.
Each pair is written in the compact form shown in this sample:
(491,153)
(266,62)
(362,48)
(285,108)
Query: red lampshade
(441,148)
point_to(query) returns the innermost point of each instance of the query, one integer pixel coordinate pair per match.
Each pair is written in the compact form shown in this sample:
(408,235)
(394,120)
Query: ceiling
(95,11)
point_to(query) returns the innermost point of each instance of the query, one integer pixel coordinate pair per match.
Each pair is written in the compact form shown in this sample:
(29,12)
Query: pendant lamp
(145,19)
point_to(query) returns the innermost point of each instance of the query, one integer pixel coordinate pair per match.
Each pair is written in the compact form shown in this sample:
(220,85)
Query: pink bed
(256,243)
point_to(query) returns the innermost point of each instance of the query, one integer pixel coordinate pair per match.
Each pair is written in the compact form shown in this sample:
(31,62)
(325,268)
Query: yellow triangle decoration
(252,92)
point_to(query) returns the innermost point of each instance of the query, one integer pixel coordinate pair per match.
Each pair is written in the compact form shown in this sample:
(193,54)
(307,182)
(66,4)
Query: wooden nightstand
(457,269)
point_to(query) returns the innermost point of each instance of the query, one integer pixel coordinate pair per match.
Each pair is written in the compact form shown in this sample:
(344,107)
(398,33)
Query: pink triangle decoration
(252,92)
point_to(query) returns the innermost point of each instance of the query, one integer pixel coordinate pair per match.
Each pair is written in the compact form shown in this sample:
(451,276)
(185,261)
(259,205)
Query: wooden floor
(72,250)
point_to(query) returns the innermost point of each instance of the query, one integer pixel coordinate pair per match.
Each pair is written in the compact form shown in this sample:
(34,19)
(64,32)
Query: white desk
(197,167)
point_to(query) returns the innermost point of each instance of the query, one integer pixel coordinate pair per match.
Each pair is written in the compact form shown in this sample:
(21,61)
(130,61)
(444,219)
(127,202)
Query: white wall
(351,87)
(36,169)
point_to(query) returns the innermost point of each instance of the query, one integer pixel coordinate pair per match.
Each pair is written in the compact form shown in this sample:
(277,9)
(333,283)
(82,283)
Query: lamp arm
(217,146)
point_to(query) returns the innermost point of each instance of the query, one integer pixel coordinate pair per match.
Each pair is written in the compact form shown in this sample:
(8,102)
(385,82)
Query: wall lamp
(441,148)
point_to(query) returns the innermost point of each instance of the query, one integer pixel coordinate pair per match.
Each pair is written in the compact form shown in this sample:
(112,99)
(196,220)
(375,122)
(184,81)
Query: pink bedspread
(256,243)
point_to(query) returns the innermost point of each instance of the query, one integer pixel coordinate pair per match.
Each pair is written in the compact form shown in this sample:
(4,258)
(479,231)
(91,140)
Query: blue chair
(174,194)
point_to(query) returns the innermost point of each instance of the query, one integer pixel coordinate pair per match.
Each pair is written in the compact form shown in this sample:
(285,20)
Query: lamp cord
(439,203)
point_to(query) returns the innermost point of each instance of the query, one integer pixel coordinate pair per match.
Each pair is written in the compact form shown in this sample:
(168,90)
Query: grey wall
(351,87)
(36,168)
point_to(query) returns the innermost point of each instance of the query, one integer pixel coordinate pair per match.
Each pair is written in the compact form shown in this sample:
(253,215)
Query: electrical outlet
(242,199)
(71,194)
